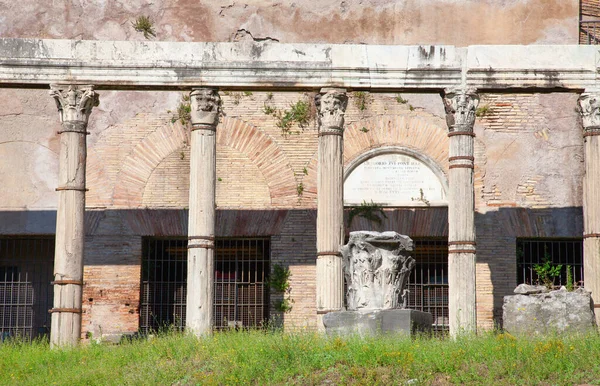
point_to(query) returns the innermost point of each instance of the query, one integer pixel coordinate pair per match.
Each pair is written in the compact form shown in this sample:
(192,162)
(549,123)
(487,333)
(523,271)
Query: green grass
(307,359)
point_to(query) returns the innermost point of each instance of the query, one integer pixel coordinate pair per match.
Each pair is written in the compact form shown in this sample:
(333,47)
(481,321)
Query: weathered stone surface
(297,66)
(527,289)
(377,267)
(556,311)
(355,21)
(377,322)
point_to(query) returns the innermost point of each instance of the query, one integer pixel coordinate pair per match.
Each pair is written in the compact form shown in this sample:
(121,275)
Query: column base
(399,321)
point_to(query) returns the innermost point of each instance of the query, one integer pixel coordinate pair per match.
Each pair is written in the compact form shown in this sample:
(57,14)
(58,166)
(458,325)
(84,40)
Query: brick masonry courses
(528,158)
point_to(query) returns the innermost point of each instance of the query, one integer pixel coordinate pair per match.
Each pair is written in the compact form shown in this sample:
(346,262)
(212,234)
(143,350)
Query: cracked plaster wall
(454,22)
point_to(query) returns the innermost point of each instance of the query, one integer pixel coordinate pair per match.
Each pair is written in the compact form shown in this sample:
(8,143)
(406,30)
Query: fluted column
(460,108)
(589,107)
(205,103)
(331,106)
(74,104)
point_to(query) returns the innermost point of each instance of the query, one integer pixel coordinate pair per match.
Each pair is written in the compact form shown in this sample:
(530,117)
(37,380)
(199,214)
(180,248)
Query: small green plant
(219,179)
(268,110)
(299,113)
(362,99)
(369,211)
(483,111)
(279,282)
(570,284)
(300,189)
(283,305)
(401,100)
(305,171)
(183,112)
(421,198)
(181,155)
(247,93)
(547,272)
(364,130)
(237,97)
(411,107)
(144,25)
(269,96)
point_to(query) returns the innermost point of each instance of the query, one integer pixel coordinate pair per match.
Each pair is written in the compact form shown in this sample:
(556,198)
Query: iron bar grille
(531,252)
(589,32)
(428,283)
(241,296)
(26,265)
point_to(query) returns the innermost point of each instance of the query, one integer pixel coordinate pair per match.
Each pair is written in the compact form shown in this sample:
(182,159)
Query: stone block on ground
(558,311)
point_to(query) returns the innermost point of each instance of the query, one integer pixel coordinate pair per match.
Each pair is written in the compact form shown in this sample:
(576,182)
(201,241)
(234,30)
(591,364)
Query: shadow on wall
(497,231)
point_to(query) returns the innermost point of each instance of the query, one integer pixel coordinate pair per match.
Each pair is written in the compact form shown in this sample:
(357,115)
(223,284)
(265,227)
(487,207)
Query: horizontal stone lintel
(271,65)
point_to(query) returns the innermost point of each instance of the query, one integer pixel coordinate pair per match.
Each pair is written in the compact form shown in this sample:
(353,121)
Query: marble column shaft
(205,106)
(460,108)
(589,107)
(331,106)
(74,104)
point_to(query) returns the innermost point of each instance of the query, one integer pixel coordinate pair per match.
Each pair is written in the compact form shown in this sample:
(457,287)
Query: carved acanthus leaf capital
(205,106)
(331,107)
(460,106)
(589,108)
(74,102)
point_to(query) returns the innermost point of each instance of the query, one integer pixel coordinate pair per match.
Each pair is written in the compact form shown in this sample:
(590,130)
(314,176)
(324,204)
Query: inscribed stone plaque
(394,180)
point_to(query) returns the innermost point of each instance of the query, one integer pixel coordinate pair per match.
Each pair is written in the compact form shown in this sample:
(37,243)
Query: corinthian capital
(460,108)
(74,102)
(589,108)
(205,106)
(331,107)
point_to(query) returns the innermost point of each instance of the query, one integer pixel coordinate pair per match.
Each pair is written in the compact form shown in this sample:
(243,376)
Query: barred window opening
(564,252)
(428,282)
(26,265)
(241,296)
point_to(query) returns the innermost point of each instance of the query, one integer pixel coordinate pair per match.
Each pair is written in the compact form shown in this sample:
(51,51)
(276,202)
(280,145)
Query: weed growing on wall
(279,282)
(144,25)
(401,100)
(362,100)
(421,198)
(183,112)
(367,210)
(300,189)
(299,113)
(482,111)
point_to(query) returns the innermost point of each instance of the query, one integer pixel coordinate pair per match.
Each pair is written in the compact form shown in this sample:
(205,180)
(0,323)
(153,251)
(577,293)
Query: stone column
(460,115)
(205,104)
(331,106)
(74,107)
(589,107)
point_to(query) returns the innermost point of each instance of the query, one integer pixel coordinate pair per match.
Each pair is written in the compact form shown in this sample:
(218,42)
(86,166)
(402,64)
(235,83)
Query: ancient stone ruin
(376,268)
(537,310)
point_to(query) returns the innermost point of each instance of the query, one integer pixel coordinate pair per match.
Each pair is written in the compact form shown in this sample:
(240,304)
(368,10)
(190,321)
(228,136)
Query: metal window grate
(26,265)
(241,296)
(428,283)
(559,251)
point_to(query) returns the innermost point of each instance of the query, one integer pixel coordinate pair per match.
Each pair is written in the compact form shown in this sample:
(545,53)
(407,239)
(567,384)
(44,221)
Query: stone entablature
(163,65)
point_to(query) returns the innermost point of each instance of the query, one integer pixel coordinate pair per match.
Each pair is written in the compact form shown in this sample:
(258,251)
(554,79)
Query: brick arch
(266,154)
(262,150)
(143,159)
(420,132)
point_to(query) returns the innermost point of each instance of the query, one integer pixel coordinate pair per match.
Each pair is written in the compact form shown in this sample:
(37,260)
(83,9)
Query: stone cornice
(268,65)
